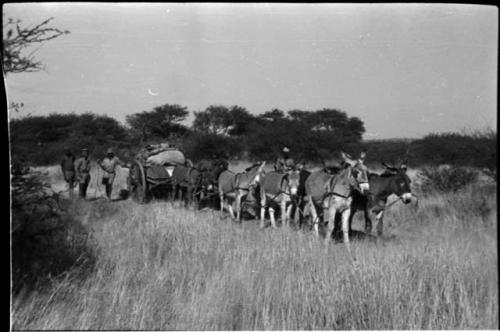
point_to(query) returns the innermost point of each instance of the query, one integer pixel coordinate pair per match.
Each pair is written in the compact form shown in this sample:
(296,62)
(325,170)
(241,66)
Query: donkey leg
(351,217)
(238,207)
(368,222)
(262,210)
(272,216)
(345,229)
(187,199)
(180,194)
(314,214)
(221,198)
(230,208)
(289,214)
(380,222)
(284,215)
(330,214)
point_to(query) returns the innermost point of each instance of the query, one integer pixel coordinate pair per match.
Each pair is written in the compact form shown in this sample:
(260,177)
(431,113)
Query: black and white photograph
(252,166)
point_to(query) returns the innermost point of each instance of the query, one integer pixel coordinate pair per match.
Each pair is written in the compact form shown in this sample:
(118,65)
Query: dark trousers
(109,189)
(108,184)
(83,185)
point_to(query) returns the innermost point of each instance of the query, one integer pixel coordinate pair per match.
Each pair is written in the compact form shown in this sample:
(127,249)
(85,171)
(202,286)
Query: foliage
(216,119)
(17,40)
(45,240)
(199,146)
(476,149)
(160,123)
(222,120)
(41,139)
(234,132)
(446,178)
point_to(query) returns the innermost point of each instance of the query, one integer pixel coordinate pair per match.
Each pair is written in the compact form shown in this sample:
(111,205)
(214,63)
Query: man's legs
(83,185)
(70,180)
(109,186)
(71,185)
(109,189)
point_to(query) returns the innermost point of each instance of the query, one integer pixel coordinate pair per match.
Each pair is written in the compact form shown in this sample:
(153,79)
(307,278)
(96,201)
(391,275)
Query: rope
(397,200)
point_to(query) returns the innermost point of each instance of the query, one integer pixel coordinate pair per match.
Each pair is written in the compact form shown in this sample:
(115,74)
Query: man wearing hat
(108,164)
(284,162)
(68,170)
(82,170)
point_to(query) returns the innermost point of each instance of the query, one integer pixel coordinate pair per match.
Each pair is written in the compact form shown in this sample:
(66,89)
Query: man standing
(68,170)
(108,164)
(284,162)
(82,170)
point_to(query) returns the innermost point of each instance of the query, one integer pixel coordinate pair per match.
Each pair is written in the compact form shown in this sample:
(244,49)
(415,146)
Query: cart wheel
(139,187)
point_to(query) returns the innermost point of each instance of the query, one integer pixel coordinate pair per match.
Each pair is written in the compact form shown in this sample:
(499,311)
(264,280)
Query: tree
(222,120)
(17,40)
(241,120)
(329,120)
(162,122)
(356,127)
(215,119)
(299,115)
(273,115)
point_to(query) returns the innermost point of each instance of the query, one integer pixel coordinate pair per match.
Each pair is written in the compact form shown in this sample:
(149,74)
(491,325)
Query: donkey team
(299,194)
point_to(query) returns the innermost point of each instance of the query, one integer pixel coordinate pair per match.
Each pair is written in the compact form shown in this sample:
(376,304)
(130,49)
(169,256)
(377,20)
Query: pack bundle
(162,155)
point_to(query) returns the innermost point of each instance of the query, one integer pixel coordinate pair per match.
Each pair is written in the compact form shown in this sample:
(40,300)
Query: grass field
(161,267)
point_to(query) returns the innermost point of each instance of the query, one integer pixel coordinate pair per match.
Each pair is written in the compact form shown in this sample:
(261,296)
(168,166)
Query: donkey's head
(255,173)
(293,177)
(358,172)
(400,182)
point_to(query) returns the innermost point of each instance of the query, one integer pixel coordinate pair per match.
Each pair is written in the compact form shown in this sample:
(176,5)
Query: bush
(46,242)
(41,139)
(199,146)
(446,178)
(476,149)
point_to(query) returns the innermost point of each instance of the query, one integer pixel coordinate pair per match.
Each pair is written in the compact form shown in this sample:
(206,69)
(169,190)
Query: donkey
(210,171)
(188,180)
(281,188)
(238,185)
(393,180)
(334,193)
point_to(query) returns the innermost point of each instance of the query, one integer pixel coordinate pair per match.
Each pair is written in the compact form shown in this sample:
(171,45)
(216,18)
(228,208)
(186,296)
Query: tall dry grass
(165,268)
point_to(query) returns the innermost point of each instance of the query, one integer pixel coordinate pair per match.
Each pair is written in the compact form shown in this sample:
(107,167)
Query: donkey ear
(347,158)
(362,156)
(261,167)
(404,165)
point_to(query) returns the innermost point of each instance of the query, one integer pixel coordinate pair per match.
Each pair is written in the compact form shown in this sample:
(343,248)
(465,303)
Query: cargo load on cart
(161,155)
(153,167)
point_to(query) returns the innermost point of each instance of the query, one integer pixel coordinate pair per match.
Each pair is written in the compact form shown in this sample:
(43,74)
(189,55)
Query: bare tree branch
(17,39)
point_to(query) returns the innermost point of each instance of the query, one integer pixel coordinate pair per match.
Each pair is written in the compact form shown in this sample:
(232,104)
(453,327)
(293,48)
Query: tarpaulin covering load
(162,154)
(156,172)
(169,157)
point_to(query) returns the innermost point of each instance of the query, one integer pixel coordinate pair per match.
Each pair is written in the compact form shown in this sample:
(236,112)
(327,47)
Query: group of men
(78,171)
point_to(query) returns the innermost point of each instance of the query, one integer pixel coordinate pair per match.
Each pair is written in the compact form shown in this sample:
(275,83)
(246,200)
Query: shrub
(446,178)
(45,241)
(199,146)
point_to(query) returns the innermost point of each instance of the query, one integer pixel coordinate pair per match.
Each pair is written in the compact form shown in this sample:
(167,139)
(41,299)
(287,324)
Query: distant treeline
(233,132)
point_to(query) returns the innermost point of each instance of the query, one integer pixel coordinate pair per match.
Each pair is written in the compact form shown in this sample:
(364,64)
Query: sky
(406,70)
